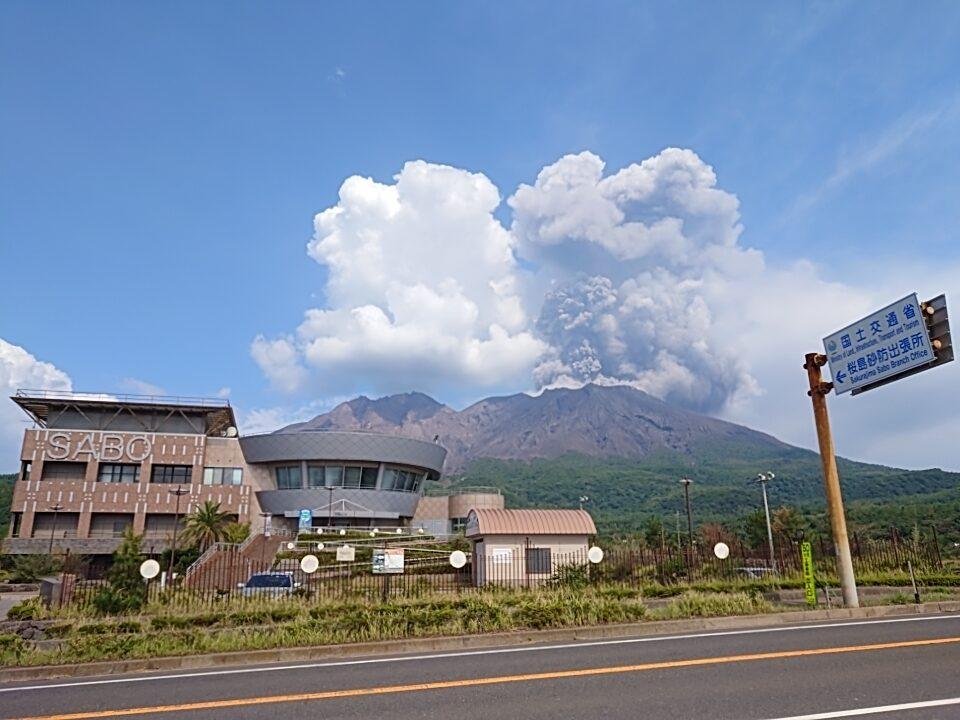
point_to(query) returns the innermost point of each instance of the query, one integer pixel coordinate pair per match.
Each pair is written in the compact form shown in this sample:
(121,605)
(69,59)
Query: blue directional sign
(881,346)
(306,519)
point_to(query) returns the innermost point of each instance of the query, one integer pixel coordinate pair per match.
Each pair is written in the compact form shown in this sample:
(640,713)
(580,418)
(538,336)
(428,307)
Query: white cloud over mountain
(19,369)
(598,278)
(637,276)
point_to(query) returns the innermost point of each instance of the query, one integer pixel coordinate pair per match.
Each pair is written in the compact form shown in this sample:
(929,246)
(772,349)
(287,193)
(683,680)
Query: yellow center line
(496,680)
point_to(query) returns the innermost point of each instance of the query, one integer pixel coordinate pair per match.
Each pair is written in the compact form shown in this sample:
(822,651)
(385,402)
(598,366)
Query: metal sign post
(904,338)
(831,478)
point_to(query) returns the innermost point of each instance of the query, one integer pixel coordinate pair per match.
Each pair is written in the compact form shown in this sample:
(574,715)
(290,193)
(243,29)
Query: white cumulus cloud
(21,370)
(422,289)
(636,276)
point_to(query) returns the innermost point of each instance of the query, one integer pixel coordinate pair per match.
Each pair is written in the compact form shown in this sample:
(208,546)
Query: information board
(880,346)
(387,561)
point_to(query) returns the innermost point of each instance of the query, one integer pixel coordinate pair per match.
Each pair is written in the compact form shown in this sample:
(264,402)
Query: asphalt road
(817,671)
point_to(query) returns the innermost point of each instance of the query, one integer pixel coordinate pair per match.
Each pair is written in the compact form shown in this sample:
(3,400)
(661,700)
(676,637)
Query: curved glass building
(341,478)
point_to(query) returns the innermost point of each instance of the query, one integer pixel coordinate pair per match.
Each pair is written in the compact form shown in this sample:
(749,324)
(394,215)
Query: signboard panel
(888,343)
(387,561)
(346,553)
(306,519)
(809,580)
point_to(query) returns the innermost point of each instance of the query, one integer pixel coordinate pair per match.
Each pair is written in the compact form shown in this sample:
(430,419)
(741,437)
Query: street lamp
(583,499)
(178,492)
(53,530)
(686,482)
(763,479)
(263,545)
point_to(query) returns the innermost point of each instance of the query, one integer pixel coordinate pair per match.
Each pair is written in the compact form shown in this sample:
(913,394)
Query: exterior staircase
(223,565)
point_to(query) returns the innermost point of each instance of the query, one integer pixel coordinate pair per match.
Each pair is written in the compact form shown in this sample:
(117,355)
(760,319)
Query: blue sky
(162,165)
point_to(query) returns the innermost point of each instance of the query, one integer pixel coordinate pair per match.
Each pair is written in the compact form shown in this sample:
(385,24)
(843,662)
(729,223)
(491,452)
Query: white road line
(857,712)
(470,653)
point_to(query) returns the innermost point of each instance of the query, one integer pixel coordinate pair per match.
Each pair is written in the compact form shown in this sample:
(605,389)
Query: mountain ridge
(595,421)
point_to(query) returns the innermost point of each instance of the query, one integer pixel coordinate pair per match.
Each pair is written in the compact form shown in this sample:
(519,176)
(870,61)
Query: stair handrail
(212,550)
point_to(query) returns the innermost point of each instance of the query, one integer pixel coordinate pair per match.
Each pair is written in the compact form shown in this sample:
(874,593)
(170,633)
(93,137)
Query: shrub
(30,609)
(127,590)
(30,568)
(697,604)
(11,647)
(537,614)
(572,577)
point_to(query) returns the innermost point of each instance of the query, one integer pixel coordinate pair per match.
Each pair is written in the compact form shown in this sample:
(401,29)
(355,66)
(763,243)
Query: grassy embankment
(157,631)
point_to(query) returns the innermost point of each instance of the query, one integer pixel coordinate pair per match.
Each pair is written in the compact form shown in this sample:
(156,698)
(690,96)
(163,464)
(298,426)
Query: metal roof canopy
(490,521)
(38,404)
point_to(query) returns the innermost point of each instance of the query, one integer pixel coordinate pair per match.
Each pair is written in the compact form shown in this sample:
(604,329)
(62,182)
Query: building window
(538,561)
(57,470)
(368,477)
(288,477)
(172,474)
(351,476)
(25,467)
(222,476)
(118,473)
(403,480)
(458,525)
(333,476)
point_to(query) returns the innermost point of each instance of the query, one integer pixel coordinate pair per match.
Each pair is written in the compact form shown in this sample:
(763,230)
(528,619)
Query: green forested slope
(6,494)
(624,493)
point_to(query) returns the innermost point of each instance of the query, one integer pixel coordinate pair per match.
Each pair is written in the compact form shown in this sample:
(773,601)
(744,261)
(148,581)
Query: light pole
(583,499)
(763,479)
(263,545)
(686,482)
(178,492)
(53,530)
(330,506)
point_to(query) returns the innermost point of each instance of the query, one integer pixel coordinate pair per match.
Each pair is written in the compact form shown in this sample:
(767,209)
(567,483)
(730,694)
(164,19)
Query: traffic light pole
(831,479)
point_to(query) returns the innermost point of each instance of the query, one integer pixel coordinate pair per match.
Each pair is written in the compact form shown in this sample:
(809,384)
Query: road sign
(879,347)
(387,561)
(809,580)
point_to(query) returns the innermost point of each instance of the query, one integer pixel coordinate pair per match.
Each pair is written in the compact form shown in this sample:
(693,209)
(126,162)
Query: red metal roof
(490,521)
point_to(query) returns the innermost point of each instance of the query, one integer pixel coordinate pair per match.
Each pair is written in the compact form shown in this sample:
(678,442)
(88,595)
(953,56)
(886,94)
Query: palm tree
(206,525)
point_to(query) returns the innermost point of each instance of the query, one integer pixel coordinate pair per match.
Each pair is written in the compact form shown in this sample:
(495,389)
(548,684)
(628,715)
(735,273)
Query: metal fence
(228,574)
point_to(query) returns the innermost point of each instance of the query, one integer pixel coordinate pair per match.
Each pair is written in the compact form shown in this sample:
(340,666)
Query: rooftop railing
(74,396)
(465,490)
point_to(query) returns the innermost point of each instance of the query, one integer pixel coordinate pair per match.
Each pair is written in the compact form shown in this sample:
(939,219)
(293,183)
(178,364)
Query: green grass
(265,625)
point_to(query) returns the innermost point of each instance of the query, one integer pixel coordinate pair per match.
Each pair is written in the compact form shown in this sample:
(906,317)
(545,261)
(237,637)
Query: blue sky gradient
(162,163)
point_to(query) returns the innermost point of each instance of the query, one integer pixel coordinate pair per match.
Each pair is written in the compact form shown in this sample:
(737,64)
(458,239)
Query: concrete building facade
(94,465)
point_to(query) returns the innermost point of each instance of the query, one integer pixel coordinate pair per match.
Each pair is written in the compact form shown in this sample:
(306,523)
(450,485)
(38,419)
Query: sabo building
(94,465)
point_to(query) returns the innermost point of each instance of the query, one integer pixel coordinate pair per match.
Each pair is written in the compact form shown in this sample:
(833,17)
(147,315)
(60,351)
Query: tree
(786,523)
(713,533)
(235,532)
(755,529)
(653,531)
(126,589)
(205,526)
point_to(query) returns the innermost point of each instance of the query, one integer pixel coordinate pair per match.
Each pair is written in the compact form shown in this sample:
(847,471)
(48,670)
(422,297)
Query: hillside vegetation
(6,495)
(624,494)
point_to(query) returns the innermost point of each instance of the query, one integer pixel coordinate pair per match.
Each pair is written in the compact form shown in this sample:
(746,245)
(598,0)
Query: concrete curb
(465,642)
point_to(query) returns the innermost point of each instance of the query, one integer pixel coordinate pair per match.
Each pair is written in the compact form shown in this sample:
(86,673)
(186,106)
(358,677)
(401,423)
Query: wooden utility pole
(831,479)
